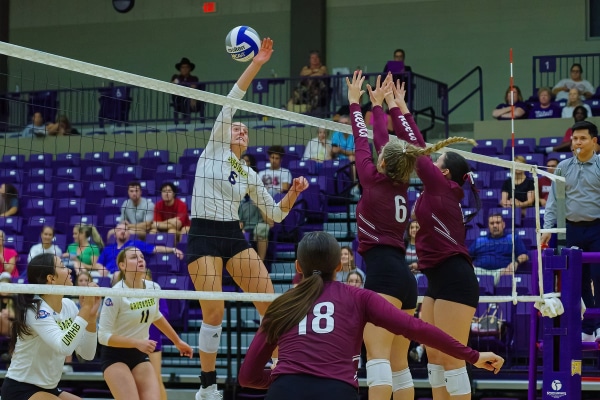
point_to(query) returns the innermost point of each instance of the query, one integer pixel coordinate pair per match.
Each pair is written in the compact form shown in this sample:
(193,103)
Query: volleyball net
(132,128)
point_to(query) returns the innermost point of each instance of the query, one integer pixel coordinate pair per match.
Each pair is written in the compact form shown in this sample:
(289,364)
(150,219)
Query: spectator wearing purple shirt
(544,108)
(382,217)
(512,96)
(309,322)
(453,291)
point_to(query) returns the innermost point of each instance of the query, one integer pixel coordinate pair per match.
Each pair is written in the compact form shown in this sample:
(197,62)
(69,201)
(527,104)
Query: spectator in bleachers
(8,258)
(81,253)
(562,89)
(254,222)
(314,91)
(399,55)
(276,178)
(318,149)
(62,127)
(107,261)
(37,126)
(355,279)
(545,183)
(411,251)
(580,113)
(342,144)
(250,161)
(170,213)
(492,254)
(9,200)
(503,110)
(544,108)
(137,212)
(126,366)
(7,310)
(46,245)
(348,265)
(574,101)
(84,278)
(524,189)
(183,107)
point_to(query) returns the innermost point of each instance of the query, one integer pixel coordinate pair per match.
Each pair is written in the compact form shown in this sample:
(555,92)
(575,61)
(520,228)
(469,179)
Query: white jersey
(128,316)
(222,180)
(38,358)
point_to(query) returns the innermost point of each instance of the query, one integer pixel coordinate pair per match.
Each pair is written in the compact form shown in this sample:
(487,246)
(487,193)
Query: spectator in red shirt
(545,183)
(8,258)
(170,213)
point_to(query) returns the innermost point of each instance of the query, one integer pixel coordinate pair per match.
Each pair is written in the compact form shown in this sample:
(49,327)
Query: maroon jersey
(382,211)
(327,342)
(442,230)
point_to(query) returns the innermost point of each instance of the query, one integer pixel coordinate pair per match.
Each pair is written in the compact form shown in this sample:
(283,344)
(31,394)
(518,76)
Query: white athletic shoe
(586,337)
(209,393)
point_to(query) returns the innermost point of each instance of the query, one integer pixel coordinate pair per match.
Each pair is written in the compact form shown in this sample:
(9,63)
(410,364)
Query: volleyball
(243,43)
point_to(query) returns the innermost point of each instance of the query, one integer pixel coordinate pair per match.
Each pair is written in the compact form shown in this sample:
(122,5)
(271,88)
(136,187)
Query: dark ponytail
(318,256)
(459,173)
(37,273)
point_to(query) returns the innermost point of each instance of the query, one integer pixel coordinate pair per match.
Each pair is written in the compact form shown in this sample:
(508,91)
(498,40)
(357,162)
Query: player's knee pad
(402,380)
(436,375)
(209,338)
(457,382)
(379,372)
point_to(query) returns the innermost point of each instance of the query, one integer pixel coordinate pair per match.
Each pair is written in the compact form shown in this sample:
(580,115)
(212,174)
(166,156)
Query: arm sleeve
(519,247)
(550,210)
(263,200)
(123,207)
(182,210)
(381,313)
(253,373)
(429,174)
(405,128)
(108,316)
(87,347)
(335,139)
(64,342)
(150,210)
(380,133)
(219,135)
(157,212)
(506,187)
(364,159)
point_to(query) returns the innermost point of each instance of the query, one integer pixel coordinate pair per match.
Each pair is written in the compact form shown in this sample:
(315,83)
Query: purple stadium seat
(534,159)
(11,175)
(33,230)
(498,179)
(109,206)
(129,157)
(98,173)
(182,185)
(83,220)
(302,167)
(478,220)
(69,189)
(160,264)
(67,160)
(522,145)
(13,161)
(314,201)
(41,206)
(60,240)
(38,190)
(150,160)
(294,151)
(491,146)
(11,225)
(421,284)
(560,156)
(550,141)
(482,179)
(523,283)
(95,159)
(475,233)
(178,308)
(531,216)
(161,239)
(40,160)
(167,173)
(486,285)
(68,174)
(39,175)
(115,103)
(15,242)
(148,188)
(490,197)
(110,221)
(259,152)
(128,173)
(189,157)
(102,281)
(527,235)
(74,206)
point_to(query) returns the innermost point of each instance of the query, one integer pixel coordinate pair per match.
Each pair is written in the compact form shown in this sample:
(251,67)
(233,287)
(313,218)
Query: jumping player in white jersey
(124,331)
(215,239)
(46,329)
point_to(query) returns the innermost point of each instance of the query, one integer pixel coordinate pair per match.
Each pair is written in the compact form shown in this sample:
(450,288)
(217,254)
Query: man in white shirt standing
(275,178)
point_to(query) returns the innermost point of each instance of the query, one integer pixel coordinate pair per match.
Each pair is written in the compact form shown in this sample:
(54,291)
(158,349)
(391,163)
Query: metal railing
(478,90)
(548,70)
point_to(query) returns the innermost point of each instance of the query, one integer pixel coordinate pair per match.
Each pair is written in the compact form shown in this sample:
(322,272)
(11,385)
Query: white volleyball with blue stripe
(242,43)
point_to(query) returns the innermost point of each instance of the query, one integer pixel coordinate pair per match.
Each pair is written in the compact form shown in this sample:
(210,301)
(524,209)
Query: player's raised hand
(382,89)
(355,87)
(265,52)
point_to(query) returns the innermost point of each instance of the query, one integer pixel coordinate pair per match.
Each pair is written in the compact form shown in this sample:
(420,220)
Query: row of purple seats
(487,287)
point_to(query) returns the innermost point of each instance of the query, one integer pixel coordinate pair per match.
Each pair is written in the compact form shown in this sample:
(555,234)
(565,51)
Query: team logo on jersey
(43,314)
(108,302)
(237,166)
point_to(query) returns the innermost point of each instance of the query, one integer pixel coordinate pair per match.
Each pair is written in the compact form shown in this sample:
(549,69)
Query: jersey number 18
(323,319)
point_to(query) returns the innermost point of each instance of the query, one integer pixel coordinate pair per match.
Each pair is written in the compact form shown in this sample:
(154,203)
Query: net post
(562,352)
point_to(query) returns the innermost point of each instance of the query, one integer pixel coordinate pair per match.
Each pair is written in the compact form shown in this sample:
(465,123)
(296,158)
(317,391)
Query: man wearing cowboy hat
(184,105)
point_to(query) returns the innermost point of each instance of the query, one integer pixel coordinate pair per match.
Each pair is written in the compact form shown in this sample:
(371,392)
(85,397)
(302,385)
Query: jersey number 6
(401,209)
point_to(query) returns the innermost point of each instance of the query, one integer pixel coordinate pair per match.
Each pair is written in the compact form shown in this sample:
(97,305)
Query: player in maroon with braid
(453,291)
(318,327)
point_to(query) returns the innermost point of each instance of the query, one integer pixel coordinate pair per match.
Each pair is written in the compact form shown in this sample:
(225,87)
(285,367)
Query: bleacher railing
(122,105)
(548,70)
